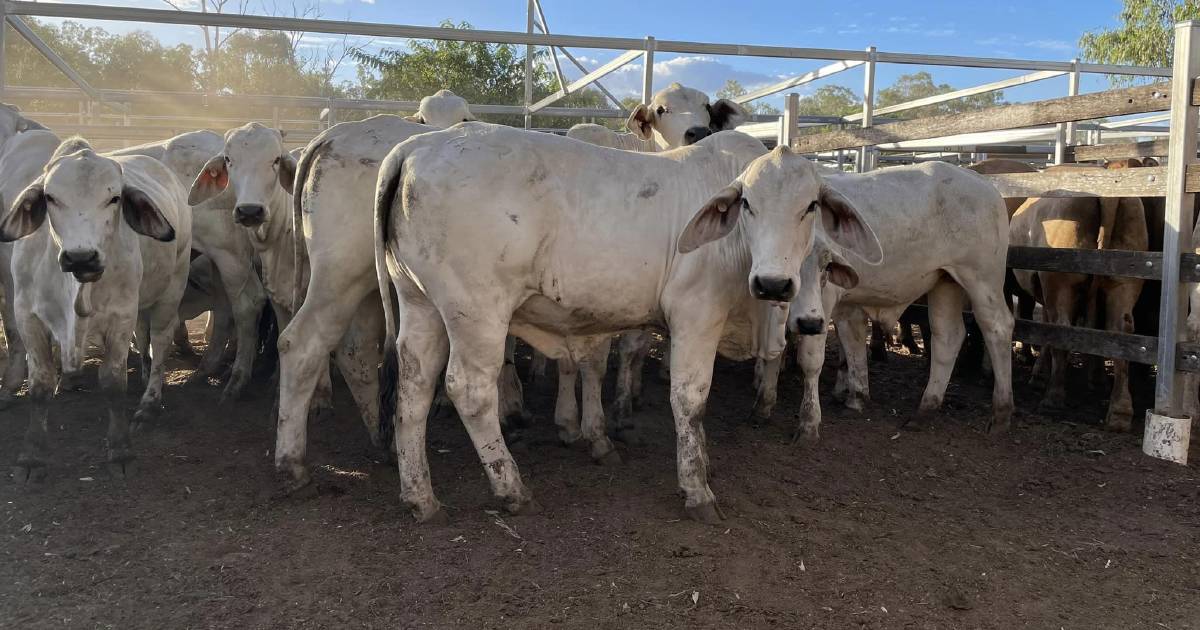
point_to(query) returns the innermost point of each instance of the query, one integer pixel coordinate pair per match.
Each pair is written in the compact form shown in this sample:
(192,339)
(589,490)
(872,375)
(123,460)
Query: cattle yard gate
(1056,127)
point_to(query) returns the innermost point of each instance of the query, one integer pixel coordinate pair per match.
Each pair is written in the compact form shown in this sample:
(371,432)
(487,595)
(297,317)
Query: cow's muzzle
(84,264)
(809,325)
(250,215)
(775,289)
(695,134)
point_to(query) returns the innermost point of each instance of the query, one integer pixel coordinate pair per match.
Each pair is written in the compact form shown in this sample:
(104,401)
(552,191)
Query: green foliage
(910,87)
(734,89)
(1144,37)
(830,100)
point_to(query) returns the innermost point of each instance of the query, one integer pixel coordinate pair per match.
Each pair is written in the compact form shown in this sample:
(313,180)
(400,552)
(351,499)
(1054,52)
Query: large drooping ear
(25,124)
(415,118)
(726,114)
(144,217)
(839,272)
(1149,162)
(287,171)
(641,122)
(212,180)
(714,220)
(26,214)
(846,227)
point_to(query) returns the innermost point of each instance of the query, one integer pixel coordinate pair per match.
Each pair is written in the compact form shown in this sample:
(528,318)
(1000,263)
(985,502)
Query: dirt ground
(1057,525)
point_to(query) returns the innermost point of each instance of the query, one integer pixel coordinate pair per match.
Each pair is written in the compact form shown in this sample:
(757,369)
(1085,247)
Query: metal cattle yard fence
(1058,130)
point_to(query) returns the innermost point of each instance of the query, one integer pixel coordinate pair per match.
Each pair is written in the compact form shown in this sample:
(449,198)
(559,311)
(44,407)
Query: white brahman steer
(215,235)
(340,311)
(443,109)
(482,228)
(11,124)
(678,116)
(93,261)
(964,258)
(600,135)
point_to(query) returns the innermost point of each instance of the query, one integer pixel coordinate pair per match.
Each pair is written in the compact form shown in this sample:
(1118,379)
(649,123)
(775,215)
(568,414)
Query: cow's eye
(746,205)
(661,110)
(227,160)
(115,200)
(812,207)
(275,162)
(466,120)
(51,200)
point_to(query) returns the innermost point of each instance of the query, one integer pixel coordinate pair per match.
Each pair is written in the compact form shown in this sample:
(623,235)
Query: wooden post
(530,9)
(787,122)
(865,154)
(1064,133)
(648,71)
(1169,391)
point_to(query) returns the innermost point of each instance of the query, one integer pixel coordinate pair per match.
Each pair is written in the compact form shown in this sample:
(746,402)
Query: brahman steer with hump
(12,123)
(114,252)
(678,116)
(566,244)
(340,311)
(215,235)
(964,258)
(1083,223)
(443,109)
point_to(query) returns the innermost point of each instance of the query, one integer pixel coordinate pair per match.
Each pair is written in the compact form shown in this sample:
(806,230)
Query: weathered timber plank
(1122,150)
(1085,182)
(1137,100)
(1111,262)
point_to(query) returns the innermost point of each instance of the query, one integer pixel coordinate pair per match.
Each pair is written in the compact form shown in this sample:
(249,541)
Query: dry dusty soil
(1056,525)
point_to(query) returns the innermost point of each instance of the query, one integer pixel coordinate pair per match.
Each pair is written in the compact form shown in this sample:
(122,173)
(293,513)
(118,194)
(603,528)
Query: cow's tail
(303,169)
(389,371)
(1108,221)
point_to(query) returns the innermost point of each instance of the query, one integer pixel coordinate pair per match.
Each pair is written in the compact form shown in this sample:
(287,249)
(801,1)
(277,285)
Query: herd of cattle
(415,251)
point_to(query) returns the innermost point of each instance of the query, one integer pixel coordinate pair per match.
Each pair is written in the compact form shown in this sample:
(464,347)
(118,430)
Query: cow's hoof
(1119,422)
(71,381)
(295,481)
(569,438)
(122,470)
(29,472)
(435,518)
(996,428)
(611,458)
(145,415)
(527,507)
(855,402)
(629,436)
(234,387)
(6,399)
(761,417)
(806,436)
(707,513)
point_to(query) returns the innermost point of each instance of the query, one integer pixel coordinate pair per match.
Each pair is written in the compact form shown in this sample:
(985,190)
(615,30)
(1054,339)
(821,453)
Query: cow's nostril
(695,134)
(810,325)
(775,289)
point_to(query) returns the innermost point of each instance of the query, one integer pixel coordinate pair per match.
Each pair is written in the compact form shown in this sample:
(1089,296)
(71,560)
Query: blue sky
(1016,29)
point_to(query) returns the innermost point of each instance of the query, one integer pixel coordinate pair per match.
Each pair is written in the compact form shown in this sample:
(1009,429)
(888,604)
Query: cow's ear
(26,215)
(716,219)
(287,171)
(144,217)
(1149,162)
(415,118)
(726,114)
(846,227)
(841,273)
(25,124)
(641,122)
(212,180)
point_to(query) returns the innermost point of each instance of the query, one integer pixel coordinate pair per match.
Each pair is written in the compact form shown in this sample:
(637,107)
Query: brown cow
(1083,223)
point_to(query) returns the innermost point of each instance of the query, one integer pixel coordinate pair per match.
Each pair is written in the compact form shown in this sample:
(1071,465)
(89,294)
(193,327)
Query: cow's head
(682,116)
(822,269)
(778,201)
(442,110)
(85,197)
(255,165)
(12,122)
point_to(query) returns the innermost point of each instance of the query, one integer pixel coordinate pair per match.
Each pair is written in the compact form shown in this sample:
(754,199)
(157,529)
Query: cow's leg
(114,382)
(35,449)
(160,327)
(566,407)
(995,325)
(631,358)
(810,354)
(766,389)
(1120,297)
(476,357)
(946,301)
(1060,308)
(841,384)
(304,348)
(358,356)
(852,331)
(593,367)
(512,396)
(878,342)
(18,366)
(246,299)
(664,367)
(693,349)
(537,366)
